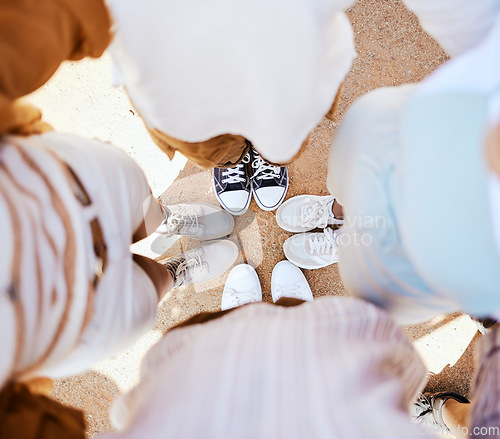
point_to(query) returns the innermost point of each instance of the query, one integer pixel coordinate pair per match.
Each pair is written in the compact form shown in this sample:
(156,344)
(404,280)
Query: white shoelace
(180,219)
(242,298)
(323,243)
(186,268)
(264,171)
(236,174)
(294,291)
(315,214)
(421,407)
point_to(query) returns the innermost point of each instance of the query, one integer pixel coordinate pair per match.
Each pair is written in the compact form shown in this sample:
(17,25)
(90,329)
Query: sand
(392,50)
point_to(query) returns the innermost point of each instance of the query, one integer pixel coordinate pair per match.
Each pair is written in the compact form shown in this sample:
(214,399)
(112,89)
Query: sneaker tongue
(329,208)
(191,229)
(321,244)
(291,291)
(185,221)
(235,178)
(314,214)
(269,182)
(164,229)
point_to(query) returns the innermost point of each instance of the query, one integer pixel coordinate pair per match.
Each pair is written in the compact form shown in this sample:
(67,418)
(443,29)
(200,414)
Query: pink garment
(485,410)
(335,367)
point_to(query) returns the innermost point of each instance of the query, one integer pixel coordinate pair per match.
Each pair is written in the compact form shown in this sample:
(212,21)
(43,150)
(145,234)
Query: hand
(493,149)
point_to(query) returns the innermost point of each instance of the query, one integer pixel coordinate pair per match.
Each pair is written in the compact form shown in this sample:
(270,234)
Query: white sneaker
(203,263)
(242,287)
(269,183)
(312,250)
(288,281)
(197,220)
(306,212)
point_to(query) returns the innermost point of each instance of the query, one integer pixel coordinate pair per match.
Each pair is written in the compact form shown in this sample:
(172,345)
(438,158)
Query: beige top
(35,38)
(265,70)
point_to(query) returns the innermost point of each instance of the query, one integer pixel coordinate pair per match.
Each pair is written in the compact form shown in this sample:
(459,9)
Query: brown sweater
(35,37)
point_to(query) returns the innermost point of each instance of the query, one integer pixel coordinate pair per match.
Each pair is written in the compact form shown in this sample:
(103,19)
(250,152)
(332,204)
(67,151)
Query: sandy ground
(392,50)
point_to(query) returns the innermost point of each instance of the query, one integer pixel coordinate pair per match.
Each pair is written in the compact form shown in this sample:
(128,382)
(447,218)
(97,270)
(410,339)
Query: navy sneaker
(269,182)
(233,187)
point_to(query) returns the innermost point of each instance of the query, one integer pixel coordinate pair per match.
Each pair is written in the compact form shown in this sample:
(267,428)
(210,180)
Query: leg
(455,416)
(153,217)
(337,210)
(226,150)
(159,275)
(335,105)
(289,301)
(372,261)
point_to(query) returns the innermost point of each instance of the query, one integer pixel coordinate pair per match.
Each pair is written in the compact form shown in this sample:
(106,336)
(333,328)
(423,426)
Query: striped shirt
(68,209)
(335,367)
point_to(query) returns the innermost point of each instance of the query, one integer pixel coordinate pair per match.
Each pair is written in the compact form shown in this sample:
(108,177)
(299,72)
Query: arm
(35,37)
(457,25)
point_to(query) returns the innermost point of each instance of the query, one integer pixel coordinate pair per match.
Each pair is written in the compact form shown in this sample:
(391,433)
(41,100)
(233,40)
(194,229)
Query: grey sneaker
(197,220)
(306,212)
(312,250)
(203,263)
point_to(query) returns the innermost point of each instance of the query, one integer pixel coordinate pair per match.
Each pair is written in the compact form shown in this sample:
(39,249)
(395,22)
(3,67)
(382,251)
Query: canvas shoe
(242,287)
(203,263)
(197,220)
(233,187)
(269,183)
(428,409)
(306,212)
(312,250)
(288,281)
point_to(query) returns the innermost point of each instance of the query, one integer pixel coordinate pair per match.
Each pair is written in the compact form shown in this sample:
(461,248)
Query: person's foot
(269,183)
(312,250)
(197,220)
(288,281)
(233,187)
(242,287)
(428,409)
(306,212)
(203,263)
